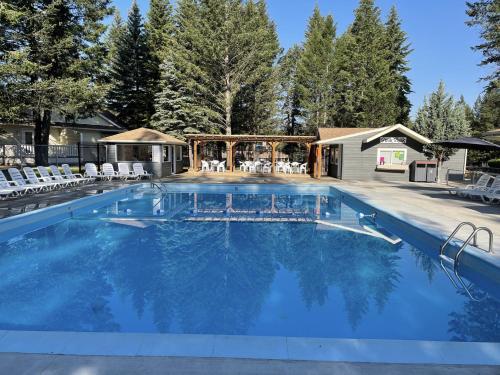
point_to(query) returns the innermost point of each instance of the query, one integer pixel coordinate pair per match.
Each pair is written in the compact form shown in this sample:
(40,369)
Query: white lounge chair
(221,167)
(10,188)
(18,178)
(72,176)
(125,172)
(43,182)
(109,172)
(492,195)
(92,172)
(480,185)
(44,173)
(139,170)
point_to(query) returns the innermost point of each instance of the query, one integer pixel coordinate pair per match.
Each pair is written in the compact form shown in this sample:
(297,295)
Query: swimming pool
(236,260)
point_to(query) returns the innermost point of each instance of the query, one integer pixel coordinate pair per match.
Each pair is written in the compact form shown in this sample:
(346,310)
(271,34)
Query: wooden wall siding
(359,160)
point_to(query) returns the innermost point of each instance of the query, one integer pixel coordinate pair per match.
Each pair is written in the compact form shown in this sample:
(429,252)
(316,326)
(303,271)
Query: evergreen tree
(115,32)
(315,71)
(398,49)
(131,97)
(441,118)
(366,79)
(159,27)
(290,107)
(255,105)
(486,112)
(51,56)
(486,15)
(175,112)
(224,51)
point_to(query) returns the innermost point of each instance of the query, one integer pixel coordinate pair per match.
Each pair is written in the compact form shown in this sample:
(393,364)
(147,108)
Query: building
(160,154)
(376,153)
(17,145)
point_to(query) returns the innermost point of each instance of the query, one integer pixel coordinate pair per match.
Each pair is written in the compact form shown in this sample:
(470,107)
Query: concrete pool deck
(35,364)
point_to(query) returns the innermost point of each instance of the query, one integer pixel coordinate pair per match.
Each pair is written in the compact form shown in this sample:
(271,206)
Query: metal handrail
(452,235)
(456,260)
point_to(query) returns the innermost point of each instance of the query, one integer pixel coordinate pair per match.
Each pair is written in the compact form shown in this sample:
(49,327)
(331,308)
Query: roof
(143,136)
(252,138)
(101,121)
(492,135)
(332,135)
(327,135)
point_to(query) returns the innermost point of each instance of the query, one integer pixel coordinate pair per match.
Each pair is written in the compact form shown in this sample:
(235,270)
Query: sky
(439,37)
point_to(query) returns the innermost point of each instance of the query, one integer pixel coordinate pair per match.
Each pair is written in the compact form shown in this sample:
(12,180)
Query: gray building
(378,153)
(160,154)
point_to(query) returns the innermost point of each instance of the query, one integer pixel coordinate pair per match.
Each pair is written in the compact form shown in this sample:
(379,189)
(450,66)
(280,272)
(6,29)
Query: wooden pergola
(198,140)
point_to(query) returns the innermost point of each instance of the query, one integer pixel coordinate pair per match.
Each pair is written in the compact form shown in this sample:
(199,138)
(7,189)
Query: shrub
(494,163)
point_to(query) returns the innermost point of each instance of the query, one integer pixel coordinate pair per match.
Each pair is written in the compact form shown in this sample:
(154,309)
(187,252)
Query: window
(178,153)
(391,156)
(28,138)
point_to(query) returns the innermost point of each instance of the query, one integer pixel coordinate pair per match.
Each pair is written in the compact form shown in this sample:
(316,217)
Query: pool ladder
(446,260)
(159,186)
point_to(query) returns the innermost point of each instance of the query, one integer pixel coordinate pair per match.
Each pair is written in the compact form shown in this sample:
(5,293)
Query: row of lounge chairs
(50,178)
(489,193)
(123,173)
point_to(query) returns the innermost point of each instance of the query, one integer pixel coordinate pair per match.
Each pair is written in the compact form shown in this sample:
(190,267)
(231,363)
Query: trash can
(423,171)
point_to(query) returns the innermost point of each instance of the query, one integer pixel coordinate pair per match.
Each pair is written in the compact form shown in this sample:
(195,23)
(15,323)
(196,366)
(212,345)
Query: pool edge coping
(250,347)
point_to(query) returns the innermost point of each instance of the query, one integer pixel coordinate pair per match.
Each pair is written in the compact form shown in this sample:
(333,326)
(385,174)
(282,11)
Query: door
(336,162)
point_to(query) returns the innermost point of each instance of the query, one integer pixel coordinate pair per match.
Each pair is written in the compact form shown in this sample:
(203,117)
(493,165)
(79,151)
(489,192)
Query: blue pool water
(273,264)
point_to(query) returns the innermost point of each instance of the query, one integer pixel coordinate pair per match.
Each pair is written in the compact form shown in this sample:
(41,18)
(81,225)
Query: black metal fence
(73,154)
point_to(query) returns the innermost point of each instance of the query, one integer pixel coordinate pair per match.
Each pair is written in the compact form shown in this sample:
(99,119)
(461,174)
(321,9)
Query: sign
(392,139)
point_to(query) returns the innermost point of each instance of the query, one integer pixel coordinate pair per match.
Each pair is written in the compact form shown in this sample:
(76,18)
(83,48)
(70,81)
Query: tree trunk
(42,132)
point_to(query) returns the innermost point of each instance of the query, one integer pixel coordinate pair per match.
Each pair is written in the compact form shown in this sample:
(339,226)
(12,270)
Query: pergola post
(229,156)
(195,156)
(308,158)
(233,155)
(273,157)
(318,161)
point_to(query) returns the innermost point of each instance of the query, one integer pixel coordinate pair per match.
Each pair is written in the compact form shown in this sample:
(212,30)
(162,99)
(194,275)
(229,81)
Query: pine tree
(224,51)
(114,34)
(315,71)
(486,15)
(398,49)
(441,118)
(290,108)
(175,112)
(131,97)
(486,112)
(367,79)
(160,28)
(255,104)
(51,58)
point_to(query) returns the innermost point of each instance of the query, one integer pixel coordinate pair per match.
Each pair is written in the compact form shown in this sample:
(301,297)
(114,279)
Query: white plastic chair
(267,168)
(139,170)
(125,172)
(279,166)
(221,167)
(287,168)
(213,165)
(492,195)
(73,176)
(91,171)
(481,185)
(205,167)
(303,168)
(109,172)
(19,180)
(44,173)
(11,188)
(44,183)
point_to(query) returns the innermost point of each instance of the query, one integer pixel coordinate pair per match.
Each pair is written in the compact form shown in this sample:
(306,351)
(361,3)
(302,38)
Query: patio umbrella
(470,144)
